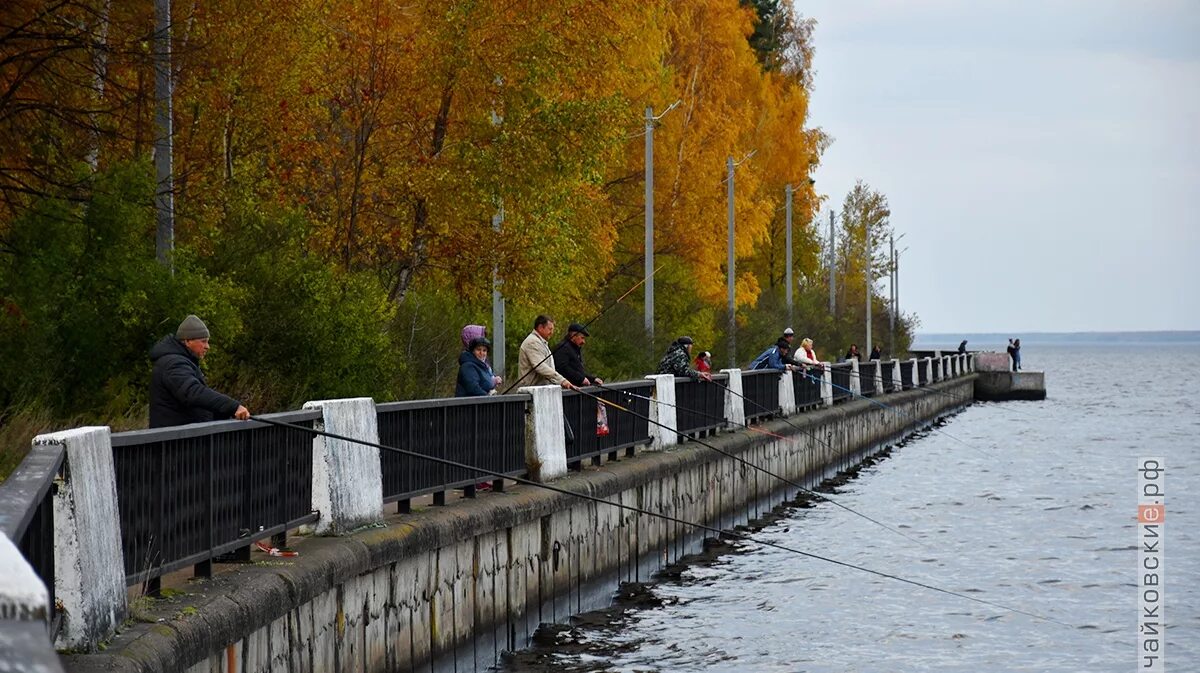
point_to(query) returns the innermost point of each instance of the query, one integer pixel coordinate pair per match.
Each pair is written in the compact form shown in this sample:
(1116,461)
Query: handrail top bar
(139,437)
(22,492)
(407,405)
(760,372)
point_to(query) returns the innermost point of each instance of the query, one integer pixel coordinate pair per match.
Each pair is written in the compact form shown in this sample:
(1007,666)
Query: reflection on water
(1037,513)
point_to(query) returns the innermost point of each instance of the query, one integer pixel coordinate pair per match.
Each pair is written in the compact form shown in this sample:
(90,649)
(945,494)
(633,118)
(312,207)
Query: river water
(1028,504)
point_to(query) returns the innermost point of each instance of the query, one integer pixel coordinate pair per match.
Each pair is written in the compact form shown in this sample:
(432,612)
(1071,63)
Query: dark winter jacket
(178,392)
(676,362)
(568,361)
(475,377)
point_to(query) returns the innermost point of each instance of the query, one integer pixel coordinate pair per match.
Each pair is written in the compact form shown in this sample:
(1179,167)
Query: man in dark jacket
(568,357)
(178,392)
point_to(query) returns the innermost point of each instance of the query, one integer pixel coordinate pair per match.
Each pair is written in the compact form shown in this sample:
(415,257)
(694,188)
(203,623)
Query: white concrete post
(827,385)
(897,384)
(787,394)
(662,410)
(928,364)
(878,382)
(735,407)
(546,453)
(89,568)
(916,372)
(347,487)
(23,597)
(855,379)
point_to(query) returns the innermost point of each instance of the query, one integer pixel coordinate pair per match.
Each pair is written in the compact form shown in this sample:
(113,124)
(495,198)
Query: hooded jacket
(676,362)
(178,392)
(475,377)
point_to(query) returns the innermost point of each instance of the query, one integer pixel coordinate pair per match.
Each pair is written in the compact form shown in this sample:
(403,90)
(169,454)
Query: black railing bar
(25,489)
(139,437)
(159,570)
(439,402)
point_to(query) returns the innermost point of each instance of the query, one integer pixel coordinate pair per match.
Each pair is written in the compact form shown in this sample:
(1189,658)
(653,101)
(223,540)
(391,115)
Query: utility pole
(870,285)
(649,256)
(499,310)
(729,280)
(164,197)
(832,264)
(499,314)
(892,291)
(788,262)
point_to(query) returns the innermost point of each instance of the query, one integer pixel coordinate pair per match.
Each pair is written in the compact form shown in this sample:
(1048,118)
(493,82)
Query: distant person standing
(875,353)
(962,347)
(179,393)
(703,362)
(1017,355)
(1012,354)
(852,354)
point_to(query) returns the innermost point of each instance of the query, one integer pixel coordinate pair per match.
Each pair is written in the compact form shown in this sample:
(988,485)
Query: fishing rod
(585,325)
(739,459)
(666,517)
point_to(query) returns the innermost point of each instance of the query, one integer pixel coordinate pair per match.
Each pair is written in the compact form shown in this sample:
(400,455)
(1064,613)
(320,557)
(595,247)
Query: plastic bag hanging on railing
(601,420)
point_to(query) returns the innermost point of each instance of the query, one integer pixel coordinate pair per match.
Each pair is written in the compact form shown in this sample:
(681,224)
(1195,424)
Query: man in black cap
(178,392)
(678,360)
(568,357)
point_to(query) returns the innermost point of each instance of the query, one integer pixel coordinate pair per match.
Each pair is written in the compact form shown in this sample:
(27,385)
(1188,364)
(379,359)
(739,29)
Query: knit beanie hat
(191,328)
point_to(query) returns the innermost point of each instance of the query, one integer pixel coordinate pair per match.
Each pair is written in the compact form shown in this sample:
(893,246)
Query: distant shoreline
(988,339)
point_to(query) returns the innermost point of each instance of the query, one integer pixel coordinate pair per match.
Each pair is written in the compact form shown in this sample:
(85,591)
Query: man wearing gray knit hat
(178,392)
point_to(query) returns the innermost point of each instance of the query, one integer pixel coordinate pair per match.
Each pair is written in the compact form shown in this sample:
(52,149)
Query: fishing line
(666,517)
(739,458)
(896,410)
(585,325)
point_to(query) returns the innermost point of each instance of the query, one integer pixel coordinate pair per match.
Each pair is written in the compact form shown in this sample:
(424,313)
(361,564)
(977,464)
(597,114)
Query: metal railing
(760,387)
(866,377)
(922,376)
(625,431)
(700,405)
(906,374)
(187,495)
(27,514)
(806,384)
(936,364)
(885,373)
(488,432)
(841,373)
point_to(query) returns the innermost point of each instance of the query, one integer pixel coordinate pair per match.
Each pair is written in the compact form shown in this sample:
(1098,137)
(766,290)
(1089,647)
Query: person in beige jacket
(535,366)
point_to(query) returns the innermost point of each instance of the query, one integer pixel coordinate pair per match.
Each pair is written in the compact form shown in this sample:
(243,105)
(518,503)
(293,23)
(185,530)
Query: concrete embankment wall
(449,588)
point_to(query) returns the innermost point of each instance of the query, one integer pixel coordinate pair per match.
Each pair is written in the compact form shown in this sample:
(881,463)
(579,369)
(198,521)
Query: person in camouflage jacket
(678,360)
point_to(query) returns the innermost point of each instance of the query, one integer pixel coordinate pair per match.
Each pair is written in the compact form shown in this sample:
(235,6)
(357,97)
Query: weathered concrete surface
(664,420)
(87,539)
(995,386)
(456,585)
(23,597)
(347,488)
(546,450)
(993,362)
(735,409)
(25,648)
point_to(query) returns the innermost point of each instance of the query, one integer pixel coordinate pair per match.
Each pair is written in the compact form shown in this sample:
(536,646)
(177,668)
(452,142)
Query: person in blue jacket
(773,358)
(475,375)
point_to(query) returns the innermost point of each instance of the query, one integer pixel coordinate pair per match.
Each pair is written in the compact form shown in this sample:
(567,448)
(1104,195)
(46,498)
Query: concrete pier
(996,382)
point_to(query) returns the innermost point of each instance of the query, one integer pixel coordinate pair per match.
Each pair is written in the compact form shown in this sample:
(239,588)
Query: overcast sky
(1043,157)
